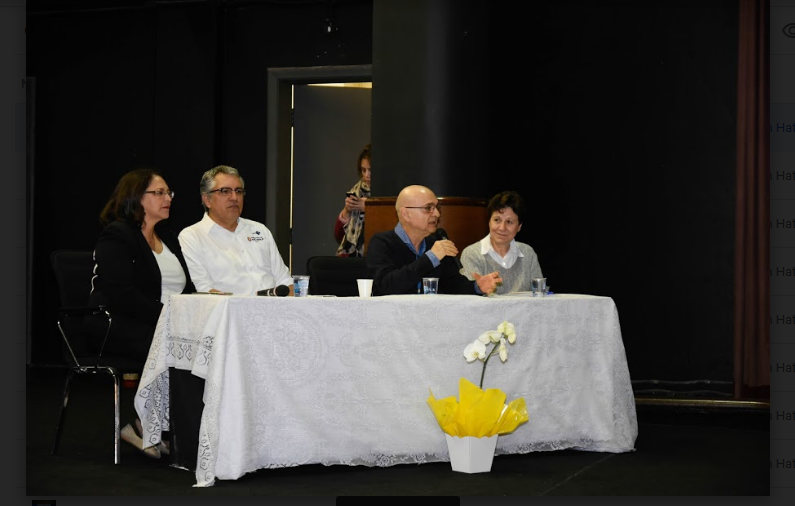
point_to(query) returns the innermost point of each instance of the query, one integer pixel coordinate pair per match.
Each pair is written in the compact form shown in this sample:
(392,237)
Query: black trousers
(186,392)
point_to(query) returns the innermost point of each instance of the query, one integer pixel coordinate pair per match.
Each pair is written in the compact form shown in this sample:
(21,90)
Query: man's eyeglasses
(428,209)
(226,192)
(161,193)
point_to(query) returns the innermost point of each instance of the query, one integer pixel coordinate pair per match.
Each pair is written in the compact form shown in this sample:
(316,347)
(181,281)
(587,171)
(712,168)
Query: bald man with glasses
(398,259)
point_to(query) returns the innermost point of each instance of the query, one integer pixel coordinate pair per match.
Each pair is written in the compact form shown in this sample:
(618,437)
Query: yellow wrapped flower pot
(473,423)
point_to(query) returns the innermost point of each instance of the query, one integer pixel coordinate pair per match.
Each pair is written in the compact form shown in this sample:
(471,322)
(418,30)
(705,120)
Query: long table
(291,381)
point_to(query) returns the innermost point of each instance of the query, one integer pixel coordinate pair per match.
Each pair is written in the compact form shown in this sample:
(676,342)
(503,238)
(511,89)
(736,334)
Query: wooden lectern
(463,218)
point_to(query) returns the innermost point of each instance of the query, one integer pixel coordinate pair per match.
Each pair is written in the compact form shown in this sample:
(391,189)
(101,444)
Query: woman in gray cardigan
(516,262)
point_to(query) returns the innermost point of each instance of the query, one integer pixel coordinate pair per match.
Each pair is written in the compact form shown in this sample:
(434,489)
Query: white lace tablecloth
(292,381)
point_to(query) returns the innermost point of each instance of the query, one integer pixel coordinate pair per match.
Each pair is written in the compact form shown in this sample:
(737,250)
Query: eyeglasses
(226,192)
(161,193)
(428,209)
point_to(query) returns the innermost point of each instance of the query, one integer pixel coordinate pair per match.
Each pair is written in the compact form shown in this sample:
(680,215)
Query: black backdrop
(616,120)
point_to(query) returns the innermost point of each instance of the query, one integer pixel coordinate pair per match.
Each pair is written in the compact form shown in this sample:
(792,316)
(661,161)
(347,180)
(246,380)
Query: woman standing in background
(349,228)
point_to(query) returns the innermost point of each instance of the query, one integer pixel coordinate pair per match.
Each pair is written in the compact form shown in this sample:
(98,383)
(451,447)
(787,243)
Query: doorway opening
(303,168)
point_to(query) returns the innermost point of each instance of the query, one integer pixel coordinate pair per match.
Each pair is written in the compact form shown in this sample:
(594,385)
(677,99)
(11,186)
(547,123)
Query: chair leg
(62,413)
(117,420)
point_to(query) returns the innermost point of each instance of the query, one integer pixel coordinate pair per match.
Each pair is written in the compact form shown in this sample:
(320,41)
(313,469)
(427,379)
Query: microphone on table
(277,291)
(441,234)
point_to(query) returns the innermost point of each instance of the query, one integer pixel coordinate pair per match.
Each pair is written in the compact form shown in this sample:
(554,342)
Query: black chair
(333,275)
(73,271)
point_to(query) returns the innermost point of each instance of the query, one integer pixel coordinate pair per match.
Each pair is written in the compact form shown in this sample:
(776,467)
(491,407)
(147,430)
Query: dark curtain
(752,260)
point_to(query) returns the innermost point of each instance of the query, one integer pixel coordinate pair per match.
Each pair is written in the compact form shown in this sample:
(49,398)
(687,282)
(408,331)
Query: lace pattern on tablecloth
(173,349)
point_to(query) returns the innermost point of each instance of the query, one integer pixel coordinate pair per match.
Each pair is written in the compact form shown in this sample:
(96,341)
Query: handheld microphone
(441,234)
(278,291)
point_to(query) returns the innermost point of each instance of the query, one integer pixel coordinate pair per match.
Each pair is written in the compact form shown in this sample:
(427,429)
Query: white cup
(365,287)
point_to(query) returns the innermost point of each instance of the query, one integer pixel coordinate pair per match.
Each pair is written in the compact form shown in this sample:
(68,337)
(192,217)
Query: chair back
(73,271)
(333,275)
(85,326)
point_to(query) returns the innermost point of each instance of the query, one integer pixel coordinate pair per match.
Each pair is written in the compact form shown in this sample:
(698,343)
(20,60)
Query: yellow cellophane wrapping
(479,413)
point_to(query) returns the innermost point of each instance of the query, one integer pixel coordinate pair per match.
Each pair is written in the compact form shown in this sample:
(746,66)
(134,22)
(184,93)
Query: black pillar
(430,95)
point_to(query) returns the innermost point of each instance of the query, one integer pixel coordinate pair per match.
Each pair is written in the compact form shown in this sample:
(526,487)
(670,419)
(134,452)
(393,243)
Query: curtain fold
(752,223)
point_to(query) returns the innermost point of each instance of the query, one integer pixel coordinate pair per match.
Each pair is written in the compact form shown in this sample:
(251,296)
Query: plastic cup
(430,286)
(539,286)
(365,287)
(301,286)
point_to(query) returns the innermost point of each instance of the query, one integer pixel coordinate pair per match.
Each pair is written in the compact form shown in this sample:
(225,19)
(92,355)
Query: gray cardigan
(515,279)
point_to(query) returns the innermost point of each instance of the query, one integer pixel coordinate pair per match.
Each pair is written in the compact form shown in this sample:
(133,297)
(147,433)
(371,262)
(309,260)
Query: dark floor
(679,452)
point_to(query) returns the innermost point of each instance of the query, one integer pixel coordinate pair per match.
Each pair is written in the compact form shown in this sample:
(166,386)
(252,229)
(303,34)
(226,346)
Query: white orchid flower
(508,330)
(476,350)
(499,339)
(490,336)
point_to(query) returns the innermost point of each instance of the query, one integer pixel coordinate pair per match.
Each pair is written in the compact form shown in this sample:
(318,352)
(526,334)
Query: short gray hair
(207,183)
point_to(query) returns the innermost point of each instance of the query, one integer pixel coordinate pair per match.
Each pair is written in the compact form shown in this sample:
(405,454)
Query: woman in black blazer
(138,264)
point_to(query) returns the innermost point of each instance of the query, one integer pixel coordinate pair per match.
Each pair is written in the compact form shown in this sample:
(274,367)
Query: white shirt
(172,277)
(508,260)
(240,262)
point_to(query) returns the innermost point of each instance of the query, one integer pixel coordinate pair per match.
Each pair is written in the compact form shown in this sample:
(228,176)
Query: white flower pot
(471,454)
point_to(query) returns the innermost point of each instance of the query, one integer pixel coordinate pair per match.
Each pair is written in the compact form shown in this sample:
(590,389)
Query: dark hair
(125,201)
(507,199)
(364,155)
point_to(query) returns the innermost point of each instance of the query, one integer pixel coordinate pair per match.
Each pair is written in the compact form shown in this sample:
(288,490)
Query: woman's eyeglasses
(161,193)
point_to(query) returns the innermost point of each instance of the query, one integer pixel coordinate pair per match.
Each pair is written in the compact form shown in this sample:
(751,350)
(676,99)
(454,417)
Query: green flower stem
(482,374)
